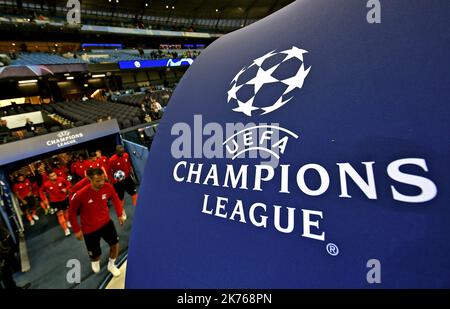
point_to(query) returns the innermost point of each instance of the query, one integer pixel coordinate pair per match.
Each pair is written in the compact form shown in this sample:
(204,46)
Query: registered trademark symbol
(332,249)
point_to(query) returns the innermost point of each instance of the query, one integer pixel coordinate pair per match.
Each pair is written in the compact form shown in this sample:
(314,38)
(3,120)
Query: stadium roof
(220,9)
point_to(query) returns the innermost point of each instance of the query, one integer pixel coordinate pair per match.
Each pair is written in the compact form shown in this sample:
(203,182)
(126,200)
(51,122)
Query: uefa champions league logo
(64,138)
(269,82)
(63,134)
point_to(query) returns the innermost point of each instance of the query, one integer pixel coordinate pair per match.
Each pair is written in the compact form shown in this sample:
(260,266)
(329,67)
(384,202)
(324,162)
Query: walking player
(120,164)
(92,202)
(57,189)
(24,192)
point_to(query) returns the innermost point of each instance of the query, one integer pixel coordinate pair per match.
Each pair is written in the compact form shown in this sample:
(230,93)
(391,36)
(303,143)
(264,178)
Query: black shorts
(125,185)
(31,203)
(92,240)
(63,205)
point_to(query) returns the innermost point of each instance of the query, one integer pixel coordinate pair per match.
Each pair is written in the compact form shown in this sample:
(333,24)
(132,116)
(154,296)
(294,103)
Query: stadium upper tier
(99,56)
(123,20)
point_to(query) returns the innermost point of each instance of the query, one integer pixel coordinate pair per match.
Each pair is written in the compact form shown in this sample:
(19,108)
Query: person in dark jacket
(5,132)
(30,127)
(7,260)
(6,271)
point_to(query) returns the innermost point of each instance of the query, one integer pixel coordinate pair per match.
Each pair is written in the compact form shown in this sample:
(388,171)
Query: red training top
(117,163)
(89,164)
(61,171)
(93,206)
(55,190)
(79,185)
(103,160)
(35,188)
(79,168)
(105,164)
(22,189)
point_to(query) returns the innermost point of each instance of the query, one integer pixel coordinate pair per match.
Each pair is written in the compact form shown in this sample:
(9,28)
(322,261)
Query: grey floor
(49,251)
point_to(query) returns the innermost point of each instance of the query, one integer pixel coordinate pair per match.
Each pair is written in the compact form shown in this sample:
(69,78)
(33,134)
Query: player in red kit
(101,158)
(24,192)
(35,187)
(121,162)
(57,189)
(93,162)
(78,167)
(92,203)
(60,170)
(78,186)
(104,162)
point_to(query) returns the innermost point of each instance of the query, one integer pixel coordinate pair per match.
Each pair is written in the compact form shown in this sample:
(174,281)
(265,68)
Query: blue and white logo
(179,62)
(269,82)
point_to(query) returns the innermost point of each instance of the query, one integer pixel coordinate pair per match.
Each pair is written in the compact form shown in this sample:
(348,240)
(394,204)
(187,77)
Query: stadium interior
(107,78)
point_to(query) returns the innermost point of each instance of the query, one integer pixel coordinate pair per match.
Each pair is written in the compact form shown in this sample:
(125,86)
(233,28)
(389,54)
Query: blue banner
(307,150)
(141,64)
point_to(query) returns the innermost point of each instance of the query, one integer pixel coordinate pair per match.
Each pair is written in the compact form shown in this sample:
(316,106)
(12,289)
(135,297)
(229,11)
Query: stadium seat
(42,131)
(126,124)
(135,121)
(28,135)
(12,139)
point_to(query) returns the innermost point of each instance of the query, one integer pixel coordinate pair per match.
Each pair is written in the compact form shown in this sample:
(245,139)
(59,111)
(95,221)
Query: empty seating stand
(92,111)
(33,58)
(161,96)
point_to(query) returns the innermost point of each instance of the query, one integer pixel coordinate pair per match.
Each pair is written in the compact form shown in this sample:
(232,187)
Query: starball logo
(252,84)
(265,85)
(63,134)
(252,94)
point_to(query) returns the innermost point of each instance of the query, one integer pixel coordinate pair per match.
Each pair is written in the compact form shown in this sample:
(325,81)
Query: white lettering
(307,223)
(428,188)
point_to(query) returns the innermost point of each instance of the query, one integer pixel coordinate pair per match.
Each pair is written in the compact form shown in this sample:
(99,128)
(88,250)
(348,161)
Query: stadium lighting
(86,85)
(69,77)
(146,4)
(29,81)
(167,6)
(217,10)
(98,75)
(173,8)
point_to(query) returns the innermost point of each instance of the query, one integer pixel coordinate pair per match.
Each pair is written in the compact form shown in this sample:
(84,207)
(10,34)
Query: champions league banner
(308,150)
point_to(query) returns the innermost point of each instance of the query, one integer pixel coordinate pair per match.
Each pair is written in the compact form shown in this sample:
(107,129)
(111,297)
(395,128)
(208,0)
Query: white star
(259,61)
(238,75)
(232,93)
(294,52)
(279,103)
(263,77)
(246,107)
(297,80)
